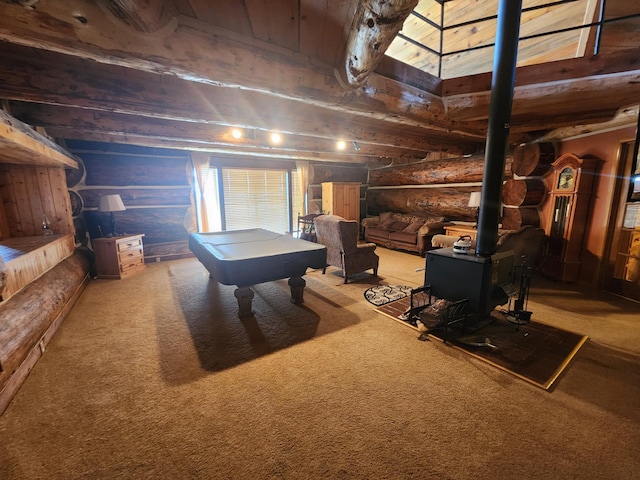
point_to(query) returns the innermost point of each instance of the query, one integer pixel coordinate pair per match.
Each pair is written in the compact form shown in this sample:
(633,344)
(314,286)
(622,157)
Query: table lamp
(474,202)
(111,203)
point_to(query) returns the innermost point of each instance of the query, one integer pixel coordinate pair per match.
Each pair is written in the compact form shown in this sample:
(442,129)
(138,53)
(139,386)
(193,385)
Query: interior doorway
(623,274)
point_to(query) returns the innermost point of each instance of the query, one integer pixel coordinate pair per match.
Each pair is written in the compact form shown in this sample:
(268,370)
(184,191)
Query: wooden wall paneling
(138,196)
(17,202)
(31,192)
(39,192)
(61,202)
(133,170)
(159,225)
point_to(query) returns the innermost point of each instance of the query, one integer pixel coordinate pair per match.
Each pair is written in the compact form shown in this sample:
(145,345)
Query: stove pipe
(502,83)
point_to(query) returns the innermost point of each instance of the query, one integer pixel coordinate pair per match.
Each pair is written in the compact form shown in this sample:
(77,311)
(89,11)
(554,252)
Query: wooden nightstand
(460,230)
(118,257)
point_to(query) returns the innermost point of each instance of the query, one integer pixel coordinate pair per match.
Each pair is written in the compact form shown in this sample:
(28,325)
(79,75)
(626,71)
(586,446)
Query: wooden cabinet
(118,257)
(570,199)
(627,266)
(341,198)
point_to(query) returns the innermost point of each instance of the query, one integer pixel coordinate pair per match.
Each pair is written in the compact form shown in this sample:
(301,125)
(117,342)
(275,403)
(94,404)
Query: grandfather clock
(570,197)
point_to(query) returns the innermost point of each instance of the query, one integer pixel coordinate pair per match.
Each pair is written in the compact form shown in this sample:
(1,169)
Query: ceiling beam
(77,122)
(583,97)
(200,53)
(375,24)
(68,82)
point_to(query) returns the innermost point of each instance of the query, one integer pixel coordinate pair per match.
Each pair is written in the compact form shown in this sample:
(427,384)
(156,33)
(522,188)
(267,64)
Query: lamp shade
(111,203)
(474,199)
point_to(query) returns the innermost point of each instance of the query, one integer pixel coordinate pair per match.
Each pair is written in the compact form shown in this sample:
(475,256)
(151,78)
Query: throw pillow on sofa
(414,226)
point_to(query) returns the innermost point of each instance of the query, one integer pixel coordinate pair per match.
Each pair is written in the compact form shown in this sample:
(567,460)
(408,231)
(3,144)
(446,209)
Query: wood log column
(32,316)
(533,159)
(523,195)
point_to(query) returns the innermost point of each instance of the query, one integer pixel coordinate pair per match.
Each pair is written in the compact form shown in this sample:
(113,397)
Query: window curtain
(200,164)
(302,173)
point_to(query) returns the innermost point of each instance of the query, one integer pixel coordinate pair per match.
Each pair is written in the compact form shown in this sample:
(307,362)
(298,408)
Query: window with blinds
(257,198)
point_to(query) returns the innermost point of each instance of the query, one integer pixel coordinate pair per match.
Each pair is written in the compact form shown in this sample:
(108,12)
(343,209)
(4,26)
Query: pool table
(248,257)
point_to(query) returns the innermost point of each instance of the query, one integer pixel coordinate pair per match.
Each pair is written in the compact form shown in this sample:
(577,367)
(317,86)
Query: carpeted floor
(533,351)
(155,377)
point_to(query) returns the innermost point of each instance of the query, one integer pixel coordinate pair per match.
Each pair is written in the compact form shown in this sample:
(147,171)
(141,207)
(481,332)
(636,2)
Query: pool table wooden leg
(297,289)
(244,296)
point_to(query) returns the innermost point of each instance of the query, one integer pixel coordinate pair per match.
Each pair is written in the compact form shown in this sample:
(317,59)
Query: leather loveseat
(412,232)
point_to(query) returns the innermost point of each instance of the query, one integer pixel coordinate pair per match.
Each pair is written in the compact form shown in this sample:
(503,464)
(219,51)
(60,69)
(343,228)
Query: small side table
(460,230)
(118,257)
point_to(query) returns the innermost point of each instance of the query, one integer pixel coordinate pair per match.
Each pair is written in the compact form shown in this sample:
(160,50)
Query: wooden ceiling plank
(229,14)
(279,20)
(145,16)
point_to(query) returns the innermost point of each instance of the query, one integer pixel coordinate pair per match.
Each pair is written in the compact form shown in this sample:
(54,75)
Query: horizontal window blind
(256,198)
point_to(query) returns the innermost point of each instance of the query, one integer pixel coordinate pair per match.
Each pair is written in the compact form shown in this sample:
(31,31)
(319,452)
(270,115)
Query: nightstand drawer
(118,257)
(128,244)
(131,265)
(131,254)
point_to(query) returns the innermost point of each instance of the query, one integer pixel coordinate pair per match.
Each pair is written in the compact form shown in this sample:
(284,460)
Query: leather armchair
(340,236)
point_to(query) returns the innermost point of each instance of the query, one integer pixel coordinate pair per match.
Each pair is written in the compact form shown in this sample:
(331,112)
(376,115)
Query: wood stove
(485,280)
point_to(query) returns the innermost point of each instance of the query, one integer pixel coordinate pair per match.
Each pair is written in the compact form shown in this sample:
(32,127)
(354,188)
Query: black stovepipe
(502,83)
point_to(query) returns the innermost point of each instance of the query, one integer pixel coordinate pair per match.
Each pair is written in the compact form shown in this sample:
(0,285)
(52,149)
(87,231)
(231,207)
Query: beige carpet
(155,377)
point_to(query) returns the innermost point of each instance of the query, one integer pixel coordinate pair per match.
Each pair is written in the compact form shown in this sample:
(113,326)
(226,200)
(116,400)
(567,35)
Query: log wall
(439,187)
(154,188)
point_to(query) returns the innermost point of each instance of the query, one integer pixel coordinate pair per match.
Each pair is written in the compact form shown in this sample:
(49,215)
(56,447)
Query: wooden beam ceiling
(164,72)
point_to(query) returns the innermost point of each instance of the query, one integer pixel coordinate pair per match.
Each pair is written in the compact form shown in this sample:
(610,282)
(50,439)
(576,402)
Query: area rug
(383,294)
(534,352)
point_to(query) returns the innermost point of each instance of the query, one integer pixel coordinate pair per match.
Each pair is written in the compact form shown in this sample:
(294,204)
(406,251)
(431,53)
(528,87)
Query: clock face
(566,179)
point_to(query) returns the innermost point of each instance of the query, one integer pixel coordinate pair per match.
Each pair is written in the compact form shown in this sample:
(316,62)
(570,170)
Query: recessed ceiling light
(236,133)
(276,137)
(341,144)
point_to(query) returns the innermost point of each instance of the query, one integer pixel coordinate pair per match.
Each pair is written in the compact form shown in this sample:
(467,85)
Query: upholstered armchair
(340,236)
